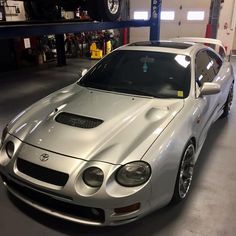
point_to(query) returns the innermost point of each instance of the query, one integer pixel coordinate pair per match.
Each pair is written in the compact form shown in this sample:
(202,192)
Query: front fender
(165,155)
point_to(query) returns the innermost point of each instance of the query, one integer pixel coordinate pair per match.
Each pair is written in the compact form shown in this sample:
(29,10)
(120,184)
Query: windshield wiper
(135,92)
(132,91)
(92,85)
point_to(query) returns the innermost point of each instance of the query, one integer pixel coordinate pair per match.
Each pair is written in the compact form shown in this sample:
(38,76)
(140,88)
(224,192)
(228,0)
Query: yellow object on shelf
(95,52)
(108,47)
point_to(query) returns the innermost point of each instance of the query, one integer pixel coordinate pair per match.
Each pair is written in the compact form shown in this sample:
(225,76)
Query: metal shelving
(26,29)
(23,29)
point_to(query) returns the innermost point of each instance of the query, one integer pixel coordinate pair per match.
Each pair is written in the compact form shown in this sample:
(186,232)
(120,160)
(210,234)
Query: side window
(222,52)
(216,60)
(204,68)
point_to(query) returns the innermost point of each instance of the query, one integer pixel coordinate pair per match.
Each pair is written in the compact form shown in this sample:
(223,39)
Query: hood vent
(78,121)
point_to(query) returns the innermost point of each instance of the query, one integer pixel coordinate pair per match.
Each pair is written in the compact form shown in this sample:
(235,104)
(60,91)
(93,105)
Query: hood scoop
(77,120)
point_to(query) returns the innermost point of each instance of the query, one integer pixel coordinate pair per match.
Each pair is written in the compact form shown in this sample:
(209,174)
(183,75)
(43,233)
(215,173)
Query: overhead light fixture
(195,15)
(141,15)
(167,15)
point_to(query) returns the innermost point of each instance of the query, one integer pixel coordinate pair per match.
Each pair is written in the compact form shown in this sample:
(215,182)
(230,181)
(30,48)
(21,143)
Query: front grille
(68,209)
(78,121)
(42,173)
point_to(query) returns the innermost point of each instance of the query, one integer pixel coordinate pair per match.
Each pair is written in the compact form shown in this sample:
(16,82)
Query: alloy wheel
(186,171)
(113,6)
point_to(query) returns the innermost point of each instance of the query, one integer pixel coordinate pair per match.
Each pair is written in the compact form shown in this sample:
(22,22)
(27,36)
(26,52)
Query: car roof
(184,48)
(164,44)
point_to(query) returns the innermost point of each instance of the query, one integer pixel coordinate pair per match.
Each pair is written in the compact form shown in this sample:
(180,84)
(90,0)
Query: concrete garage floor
(210,208)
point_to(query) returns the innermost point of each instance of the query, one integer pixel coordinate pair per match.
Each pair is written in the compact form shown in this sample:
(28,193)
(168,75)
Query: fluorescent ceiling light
(140,15)
(195,15)
(167,15)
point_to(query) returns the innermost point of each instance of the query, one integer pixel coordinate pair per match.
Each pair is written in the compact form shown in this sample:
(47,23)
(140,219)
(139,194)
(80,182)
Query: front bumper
(59,206)
(73,201)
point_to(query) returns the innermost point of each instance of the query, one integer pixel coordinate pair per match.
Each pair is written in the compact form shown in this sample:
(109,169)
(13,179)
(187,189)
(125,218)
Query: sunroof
(162,44)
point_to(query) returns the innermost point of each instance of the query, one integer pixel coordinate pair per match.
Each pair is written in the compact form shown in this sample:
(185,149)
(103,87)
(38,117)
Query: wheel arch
(194,141)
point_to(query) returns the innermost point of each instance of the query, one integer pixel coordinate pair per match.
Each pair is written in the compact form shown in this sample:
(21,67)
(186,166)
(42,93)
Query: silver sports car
(124,139)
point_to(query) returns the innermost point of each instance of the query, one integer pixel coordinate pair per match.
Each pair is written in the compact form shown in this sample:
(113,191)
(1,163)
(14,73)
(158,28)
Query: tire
(185,174)
(107,10)
(228,104)
(41,10)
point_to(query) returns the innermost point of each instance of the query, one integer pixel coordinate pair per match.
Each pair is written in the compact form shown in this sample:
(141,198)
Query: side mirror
(82,72)
(210,89)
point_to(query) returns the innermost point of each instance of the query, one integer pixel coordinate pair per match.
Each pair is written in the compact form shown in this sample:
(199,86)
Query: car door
(208,104)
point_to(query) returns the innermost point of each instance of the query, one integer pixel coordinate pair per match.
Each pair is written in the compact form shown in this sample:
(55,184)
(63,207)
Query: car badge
(44,157)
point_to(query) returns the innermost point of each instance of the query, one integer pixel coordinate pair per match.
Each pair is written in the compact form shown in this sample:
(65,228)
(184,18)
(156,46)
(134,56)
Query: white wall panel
(181,27)
(177,28)
(226,29)
(234,41)
(139,34)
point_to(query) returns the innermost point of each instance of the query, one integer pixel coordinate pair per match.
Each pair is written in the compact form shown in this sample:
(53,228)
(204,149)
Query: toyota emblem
(44,157)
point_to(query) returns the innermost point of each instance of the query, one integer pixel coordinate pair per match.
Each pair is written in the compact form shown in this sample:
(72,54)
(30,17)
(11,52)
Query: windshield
(155,74)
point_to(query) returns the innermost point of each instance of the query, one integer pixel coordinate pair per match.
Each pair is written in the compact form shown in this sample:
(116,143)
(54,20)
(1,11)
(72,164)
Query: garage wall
(139,34)
(180,26)
(226,31)
(234,42)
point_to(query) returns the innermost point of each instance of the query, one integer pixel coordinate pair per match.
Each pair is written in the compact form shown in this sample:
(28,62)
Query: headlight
(133,174)
(10,149)
(4,134)
(93,177)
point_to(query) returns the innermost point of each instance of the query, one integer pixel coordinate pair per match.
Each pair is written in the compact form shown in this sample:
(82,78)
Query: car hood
(130,124)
